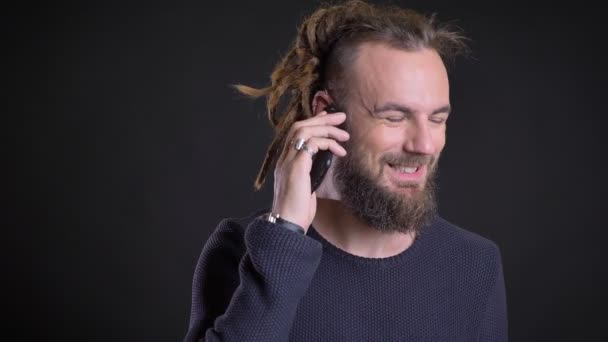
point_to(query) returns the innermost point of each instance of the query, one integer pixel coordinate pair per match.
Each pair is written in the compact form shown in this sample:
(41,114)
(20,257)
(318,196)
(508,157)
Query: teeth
(407,169)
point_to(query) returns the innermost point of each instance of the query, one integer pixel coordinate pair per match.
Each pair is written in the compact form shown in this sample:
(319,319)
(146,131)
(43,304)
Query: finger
(317,144)
(332,132)
(332,119)
(307,132)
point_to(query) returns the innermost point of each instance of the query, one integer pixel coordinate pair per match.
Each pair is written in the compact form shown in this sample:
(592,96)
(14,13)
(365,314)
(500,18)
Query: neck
(340,227)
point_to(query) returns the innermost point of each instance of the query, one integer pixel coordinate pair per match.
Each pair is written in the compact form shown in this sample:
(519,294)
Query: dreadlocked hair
(325,45)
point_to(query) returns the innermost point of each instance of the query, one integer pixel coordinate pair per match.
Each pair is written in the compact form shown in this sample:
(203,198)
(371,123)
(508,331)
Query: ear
(320,101)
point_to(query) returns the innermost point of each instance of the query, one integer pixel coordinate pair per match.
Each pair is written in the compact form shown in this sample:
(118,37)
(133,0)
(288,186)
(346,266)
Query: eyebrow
(407,110)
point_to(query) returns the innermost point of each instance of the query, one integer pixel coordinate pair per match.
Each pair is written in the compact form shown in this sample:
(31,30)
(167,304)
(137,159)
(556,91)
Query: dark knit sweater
(255,281)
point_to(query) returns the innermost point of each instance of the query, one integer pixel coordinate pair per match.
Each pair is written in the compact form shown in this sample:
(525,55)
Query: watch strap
(279,221)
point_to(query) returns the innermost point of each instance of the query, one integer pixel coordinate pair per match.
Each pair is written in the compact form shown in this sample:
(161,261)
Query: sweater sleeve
(494,325)
(247,286)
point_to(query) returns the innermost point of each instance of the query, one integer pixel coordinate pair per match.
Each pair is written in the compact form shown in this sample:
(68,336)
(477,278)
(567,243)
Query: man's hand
(293,200)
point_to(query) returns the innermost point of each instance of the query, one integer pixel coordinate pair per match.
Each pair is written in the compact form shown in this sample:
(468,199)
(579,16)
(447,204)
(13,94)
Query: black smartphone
(322,160)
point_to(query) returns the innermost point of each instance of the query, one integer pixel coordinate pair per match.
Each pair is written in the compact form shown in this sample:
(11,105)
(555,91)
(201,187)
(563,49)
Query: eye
(392,116)
(395,118)
(438,119)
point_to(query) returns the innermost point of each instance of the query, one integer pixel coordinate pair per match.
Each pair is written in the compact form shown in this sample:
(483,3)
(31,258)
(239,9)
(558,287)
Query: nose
(419,139)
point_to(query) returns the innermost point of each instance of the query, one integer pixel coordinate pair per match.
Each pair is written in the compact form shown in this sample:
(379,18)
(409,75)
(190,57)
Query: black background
(127,146)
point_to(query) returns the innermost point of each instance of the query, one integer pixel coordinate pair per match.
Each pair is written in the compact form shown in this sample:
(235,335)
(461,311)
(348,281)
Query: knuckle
(299,132)
(318,143)
(292,132)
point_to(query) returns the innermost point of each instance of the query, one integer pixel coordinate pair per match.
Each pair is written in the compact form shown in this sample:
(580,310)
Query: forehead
(417,79)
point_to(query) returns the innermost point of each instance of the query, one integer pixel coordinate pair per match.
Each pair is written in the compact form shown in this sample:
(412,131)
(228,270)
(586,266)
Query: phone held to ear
(322,160)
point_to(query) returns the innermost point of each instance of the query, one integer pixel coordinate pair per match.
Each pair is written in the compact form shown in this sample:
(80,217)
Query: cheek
(439,139)
(377,141)
(371,138)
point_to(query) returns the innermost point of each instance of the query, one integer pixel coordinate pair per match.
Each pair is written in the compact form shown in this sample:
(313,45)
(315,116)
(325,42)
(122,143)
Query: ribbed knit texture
(255,281)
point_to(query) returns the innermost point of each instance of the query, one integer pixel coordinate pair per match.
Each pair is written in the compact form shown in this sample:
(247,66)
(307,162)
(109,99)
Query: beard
(385,210)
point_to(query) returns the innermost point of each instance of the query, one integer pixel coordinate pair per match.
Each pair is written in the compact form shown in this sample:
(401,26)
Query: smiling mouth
(407,169)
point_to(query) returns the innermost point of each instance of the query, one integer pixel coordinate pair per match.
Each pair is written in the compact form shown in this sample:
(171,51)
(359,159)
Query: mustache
(408,159)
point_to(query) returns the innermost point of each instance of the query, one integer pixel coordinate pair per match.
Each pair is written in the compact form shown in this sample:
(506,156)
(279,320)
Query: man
(366,256)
